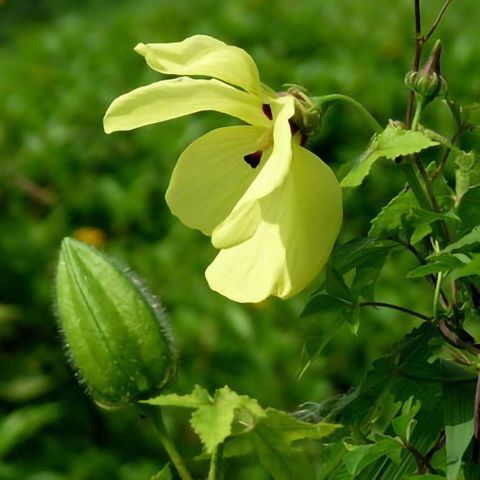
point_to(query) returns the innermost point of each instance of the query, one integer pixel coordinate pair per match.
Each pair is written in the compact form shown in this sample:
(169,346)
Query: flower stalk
(324,102)
(155,415)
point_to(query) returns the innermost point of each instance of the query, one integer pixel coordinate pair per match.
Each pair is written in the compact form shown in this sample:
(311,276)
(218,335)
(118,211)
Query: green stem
(418,112)
(415,185)
(215,472)
(325,101)
(413,313)
(436,296)
(155,415)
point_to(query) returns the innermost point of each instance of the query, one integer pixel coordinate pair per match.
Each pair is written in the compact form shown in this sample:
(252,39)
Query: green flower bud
(428,82)
(115,331)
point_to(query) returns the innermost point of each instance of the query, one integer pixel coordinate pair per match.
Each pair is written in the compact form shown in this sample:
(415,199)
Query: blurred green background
(61,64)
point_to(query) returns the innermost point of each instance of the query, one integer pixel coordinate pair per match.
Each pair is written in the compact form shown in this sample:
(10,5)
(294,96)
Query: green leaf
(405,372)
(291,429)
(467,173)
(320,320)
(273,438)
(404,424)
(426,476)
(469,207)
(469,239)
(404,213)
(335,284)
(439,263)
(163,474)
(322,303)
(360,456)
(366,277)
(390,218)
(272,458)
(214,418)
(425,270)
(471,113)
(196,399)
(459,422)
(470,269)
(213,423)
(359,252)
(393,142)
(422,219)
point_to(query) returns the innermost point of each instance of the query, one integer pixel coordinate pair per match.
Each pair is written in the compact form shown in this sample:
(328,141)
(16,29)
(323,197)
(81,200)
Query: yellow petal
(169,99)
(245,216)
(203,55)
(300,221)
(211,175)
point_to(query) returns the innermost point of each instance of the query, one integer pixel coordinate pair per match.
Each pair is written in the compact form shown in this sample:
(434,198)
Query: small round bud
(115,331)
(428,82)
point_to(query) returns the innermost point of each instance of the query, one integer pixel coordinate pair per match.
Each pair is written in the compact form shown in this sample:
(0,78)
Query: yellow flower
(273,208)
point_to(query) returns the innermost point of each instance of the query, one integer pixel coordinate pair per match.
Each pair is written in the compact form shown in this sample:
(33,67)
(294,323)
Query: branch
(413,313)
(437,21)
(443,162)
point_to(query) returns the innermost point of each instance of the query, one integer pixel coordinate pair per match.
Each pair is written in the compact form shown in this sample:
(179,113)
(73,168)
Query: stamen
(267,110)
(253,159)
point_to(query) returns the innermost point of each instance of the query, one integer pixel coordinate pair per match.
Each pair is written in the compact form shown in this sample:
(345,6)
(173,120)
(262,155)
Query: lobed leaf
(393,142)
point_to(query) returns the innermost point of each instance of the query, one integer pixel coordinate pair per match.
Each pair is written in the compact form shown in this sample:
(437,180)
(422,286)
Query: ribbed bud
(115,331)
(428,82)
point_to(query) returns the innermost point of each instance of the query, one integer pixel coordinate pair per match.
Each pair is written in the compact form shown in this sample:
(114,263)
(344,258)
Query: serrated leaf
(163,474)
(393,142)
(467,173)
(196,399)
(213,423)
(390,218)
(459,422)
(360,456)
